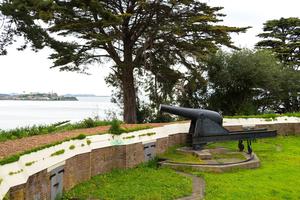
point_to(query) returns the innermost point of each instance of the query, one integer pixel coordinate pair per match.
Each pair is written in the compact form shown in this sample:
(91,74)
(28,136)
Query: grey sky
(30,72)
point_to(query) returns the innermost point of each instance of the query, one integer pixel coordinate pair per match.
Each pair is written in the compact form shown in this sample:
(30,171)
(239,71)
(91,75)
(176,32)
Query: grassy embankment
(22,132)
(53,128)
(265,116)
(40,130)
(146,182)
(277,178)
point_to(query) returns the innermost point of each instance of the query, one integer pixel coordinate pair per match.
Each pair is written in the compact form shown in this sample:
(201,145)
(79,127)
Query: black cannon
(206,126)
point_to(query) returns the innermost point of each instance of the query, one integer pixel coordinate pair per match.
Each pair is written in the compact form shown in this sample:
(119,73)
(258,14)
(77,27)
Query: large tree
(135,34)
(282,36)
(244,82)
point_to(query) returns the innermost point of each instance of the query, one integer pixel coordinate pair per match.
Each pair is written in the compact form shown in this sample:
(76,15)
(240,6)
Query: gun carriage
(207,126)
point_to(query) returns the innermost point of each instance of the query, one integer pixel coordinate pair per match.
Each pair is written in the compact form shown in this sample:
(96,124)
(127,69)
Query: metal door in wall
(56,181)
(149,151)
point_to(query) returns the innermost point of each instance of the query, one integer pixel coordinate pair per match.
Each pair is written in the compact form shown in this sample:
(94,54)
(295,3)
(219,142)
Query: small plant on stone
(59,152)
(16,172)
(129,137)
(72,147)
(29,163)
(88,142)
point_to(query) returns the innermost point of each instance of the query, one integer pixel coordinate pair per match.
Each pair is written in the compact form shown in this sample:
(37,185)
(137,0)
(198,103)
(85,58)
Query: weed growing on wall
(59,152)
(29,163)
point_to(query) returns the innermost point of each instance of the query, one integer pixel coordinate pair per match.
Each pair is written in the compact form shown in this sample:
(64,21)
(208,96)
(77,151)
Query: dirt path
(12,147)
(198,187)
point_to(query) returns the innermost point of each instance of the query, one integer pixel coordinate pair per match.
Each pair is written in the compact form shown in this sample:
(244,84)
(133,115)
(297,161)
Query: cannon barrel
(192,114)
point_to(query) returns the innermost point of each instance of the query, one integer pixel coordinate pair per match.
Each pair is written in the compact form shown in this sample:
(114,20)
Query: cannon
(207,126)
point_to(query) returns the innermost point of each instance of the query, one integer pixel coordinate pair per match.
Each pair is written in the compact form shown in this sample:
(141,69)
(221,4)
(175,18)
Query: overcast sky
(27,71)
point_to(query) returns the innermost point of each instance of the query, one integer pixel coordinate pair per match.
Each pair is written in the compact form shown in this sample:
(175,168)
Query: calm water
(26,113)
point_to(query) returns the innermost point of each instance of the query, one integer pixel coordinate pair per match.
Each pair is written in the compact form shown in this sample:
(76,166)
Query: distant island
(37,97)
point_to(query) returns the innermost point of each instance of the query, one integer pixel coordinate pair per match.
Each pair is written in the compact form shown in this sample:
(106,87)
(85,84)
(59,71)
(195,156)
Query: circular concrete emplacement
(217,159)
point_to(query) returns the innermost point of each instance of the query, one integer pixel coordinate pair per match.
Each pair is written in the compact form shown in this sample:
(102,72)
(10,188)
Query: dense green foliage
(131,33)
(277,178)
(282,36)
(141,183)
(244,82)
(53,128)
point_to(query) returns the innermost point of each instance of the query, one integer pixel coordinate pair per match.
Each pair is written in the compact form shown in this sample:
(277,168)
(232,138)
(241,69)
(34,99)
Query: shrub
(80,137)
(72,147)
(115,127)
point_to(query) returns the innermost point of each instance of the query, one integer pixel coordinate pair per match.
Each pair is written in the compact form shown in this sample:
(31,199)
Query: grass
(71,147)
(176,156)
(145,182)
(267,116)
(46,129)
(277,178)
(228,155)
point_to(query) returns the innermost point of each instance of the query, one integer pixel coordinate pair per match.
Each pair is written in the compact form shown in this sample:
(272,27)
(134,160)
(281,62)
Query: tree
(244,82)
(283,37)
(134,34)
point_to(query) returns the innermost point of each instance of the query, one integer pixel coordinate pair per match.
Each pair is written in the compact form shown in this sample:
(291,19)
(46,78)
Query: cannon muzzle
(192,114)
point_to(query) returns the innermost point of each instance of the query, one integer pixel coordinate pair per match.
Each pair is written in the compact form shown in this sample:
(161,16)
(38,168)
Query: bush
(115,127)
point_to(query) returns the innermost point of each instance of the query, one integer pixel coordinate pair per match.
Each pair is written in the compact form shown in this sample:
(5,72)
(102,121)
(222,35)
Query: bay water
(15,114)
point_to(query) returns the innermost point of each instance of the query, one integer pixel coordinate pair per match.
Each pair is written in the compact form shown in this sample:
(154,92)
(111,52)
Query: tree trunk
(128,85)
(129,95)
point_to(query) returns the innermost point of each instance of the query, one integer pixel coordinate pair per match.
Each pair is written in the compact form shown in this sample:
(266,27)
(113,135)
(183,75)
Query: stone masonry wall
(106,159)
(77,170)
(37,187)
(82,167)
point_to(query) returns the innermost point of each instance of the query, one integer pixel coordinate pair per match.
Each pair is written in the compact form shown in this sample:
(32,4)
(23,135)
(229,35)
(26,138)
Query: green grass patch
(71,147)
(173,155)
(277,178)
(46,129)
(59,152)
(141,183)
